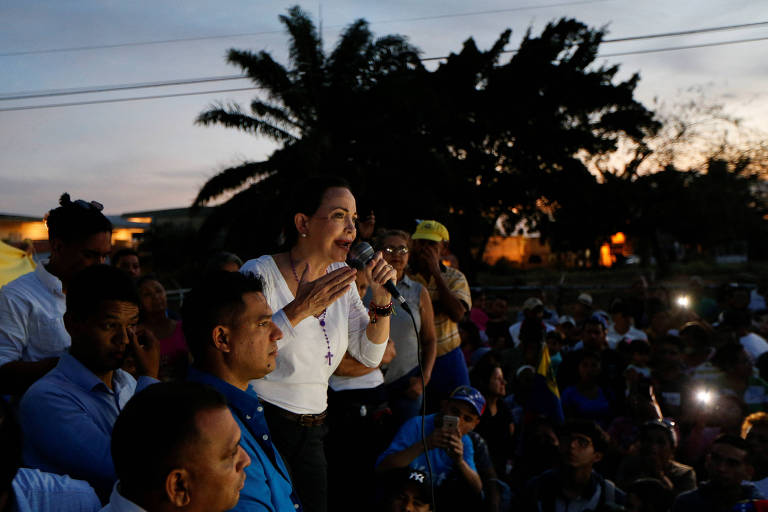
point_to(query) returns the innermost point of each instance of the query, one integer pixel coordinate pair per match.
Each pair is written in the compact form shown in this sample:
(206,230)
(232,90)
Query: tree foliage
(471,140)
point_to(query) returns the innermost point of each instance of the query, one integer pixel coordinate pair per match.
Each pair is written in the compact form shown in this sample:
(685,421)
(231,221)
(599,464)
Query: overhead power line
(721,28)
(271,32)
(134,43)
(137,98)
(118,87)
(145,85)
(687,47)
(121,100)
(381,22)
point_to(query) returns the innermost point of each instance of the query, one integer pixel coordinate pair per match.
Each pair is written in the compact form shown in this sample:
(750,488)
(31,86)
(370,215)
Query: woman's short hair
(306,198)
(384,234)
(220,259)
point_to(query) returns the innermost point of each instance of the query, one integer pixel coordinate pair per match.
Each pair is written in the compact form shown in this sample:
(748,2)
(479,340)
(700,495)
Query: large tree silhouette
(471,140)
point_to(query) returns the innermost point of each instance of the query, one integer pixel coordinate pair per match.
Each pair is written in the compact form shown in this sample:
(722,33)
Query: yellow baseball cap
(431,230)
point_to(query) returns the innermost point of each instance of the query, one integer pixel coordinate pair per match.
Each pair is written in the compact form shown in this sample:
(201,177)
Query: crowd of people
(299,381)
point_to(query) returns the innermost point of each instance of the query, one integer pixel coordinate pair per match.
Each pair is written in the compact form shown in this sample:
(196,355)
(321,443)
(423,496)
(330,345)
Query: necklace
(320,318)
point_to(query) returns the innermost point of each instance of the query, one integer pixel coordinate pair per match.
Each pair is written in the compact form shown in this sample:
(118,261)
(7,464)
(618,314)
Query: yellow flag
(13,263)
(545,369)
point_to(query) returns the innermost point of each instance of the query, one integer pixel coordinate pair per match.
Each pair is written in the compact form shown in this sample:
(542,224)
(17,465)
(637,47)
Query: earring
(303,235)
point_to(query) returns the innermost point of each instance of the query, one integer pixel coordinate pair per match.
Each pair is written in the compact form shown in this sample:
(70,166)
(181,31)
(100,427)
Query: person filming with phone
(450,448)
(67,416)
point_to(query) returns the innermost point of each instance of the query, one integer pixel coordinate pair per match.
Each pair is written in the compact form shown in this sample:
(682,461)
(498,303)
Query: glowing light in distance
(704,396)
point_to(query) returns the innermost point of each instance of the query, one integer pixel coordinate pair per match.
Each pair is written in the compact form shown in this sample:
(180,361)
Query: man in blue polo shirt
(229,330)
(67,416)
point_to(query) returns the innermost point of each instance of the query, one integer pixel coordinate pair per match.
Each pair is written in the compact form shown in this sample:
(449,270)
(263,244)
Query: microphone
(359,256)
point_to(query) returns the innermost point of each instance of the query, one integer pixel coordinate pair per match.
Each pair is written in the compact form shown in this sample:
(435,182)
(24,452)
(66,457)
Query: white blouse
(299,382)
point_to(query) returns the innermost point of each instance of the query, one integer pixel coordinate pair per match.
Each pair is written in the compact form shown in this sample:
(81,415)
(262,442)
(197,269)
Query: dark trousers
(303,452)
(358,431)
(449,372)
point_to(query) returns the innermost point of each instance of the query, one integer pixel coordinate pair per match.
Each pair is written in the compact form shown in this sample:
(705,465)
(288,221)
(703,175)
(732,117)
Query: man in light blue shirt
(31,490)
(229,330)
(67,416)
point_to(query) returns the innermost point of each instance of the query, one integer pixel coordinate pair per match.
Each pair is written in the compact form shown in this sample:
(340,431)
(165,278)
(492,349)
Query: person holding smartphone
(450,449)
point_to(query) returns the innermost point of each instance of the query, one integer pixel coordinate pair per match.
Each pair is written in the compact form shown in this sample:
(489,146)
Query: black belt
(304,420)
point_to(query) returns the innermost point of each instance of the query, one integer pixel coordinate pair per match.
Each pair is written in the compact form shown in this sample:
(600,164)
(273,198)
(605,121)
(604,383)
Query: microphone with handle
(360,255)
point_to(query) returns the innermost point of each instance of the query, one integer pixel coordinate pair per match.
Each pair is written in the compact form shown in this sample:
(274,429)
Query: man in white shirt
(739,322)
(622,328)
(32,333)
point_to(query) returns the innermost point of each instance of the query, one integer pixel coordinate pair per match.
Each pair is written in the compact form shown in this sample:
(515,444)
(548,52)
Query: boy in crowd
(575,485)
(406,490)
(450,449)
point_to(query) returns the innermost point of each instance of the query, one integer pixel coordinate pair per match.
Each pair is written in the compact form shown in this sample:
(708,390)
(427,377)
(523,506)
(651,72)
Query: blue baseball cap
(470,395)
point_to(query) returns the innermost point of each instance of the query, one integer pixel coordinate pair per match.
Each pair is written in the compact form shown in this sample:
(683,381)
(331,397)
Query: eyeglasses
(401,250)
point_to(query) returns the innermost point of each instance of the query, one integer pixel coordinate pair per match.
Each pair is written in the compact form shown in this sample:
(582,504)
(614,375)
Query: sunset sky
(149,154)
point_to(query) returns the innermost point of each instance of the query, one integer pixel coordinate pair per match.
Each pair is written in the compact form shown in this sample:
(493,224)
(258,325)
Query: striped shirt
(446,329)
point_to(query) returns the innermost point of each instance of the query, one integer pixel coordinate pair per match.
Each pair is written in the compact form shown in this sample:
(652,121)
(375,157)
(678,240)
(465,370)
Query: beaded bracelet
(375,311)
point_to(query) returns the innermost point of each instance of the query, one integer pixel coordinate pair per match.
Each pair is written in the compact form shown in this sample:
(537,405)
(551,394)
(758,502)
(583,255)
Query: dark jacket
(707,499)
(543,492)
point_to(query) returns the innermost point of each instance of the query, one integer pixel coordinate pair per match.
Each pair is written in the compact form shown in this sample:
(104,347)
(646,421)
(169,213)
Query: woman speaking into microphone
(315,303)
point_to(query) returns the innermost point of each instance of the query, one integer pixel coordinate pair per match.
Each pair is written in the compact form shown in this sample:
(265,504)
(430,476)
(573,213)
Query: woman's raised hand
(379,272)
(313,297)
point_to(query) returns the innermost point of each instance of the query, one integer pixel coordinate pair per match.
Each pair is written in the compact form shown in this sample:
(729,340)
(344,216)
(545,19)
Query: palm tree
(470,141)
(306,109)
